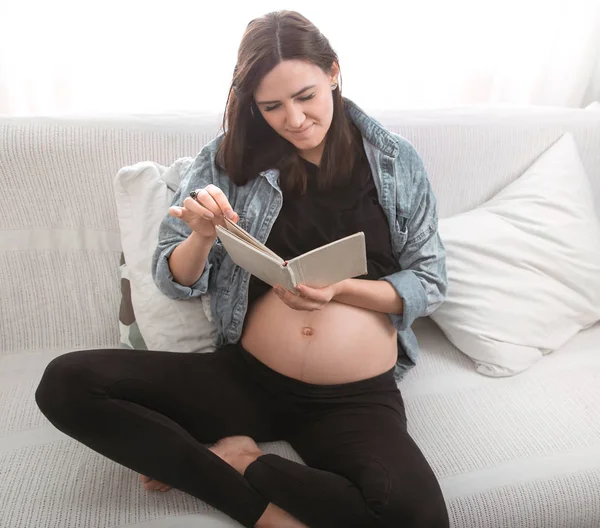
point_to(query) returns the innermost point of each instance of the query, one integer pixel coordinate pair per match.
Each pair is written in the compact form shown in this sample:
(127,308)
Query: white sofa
(515,452)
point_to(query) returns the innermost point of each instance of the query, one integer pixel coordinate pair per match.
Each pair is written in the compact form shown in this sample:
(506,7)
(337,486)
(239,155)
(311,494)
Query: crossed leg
(363,470)
(157,413)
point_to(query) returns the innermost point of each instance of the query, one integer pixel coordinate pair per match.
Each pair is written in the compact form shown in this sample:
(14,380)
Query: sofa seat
(511,452)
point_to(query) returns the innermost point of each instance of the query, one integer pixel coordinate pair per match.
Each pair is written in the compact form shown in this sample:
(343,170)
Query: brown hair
(250,145)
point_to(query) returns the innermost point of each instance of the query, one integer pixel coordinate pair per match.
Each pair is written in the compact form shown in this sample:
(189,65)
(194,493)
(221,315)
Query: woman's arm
(420,285)
(422,280)
(181,256)
(188,260)
(378,296)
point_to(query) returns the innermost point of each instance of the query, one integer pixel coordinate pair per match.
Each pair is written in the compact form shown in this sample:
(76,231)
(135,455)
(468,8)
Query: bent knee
(408,497)
(63,376)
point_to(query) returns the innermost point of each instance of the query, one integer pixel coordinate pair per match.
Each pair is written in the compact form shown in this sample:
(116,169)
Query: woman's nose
(295,117)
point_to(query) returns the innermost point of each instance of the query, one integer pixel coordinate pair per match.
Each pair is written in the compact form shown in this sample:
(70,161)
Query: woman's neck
(315,154)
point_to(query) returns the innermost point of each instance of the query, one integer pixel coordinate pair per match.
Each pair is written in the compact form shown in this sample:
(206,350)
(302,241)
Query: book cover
(342,259)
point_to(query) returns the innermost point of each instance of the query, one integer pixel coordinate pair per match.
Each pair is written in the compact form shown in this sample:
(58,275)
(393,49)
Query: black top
(321,217)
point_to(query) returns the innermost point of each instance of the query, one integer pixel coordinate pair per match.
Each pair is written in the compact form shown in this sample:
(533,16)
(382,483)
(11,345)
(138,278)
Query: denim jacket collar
(371,129)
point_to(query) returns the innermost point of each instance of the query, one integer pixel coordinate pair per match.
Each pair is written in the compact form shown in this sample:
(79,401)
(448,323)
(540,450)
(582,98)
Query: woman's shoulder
(407,152)
(208,152)
(383,139)
(206,170)
(204,166)
(403,152)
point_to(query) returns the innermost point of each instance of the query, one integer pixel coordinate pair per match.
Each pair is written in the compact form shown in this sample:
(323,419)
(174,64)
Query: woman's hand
(307,298)
(205,211)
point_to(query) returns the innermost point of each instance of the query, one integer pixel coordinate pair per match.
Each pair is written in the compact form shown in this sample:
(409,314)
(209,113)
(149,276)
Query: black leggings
(158,412)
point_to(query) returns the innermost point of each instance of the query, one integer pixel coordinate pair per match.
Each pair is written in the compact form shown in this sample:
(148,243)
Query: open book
(320,267)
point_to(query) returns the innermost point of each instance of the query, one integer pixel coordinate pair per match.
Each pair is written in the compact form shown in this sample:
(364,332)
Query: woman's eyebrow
(294,95)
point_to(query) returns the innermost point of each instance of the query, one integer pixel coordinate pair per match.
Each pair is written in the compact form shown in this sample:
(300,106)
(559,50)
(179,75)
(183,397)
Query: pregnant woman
(297,166)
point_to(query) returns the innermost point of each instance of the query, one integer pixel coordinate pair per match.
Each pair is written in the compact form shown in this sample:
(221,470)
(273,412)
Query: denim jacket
(405,195)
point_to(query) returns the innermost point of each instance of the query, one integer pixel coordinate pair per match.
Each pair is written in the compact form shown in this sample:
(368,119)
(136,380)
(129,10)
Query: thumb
(176,211)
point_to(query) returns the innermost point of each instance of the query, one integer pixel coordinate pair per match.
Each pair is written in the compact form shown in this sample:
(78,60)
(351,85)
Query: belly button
(307,331)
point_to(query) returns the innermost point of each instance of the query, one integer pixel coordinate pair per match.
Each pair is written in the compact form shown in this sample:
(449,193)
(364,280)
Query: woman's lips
(302,133)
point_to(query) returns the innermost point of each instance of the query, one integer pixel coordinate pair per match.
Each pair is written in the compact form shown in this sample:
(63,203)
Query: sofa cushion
(524,267)
(148,319)
(517,452)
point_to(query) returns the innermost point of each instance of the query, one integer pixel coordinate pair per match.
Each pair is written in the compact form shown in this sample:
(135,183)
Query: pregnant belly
(337,344)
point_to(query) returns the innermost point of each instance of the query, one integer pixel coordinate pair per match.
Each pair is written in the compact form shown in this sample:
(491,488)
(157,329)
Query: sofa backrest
(472,153)
(59,236)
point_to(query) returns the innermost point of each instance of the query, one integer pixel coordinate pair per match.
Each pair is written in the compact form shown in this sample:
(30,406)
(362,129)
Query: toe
(152,485)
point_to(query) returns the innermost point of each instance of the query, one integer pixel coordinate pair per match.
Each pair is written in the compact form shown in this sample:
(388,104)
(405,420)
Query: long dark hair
(250,145)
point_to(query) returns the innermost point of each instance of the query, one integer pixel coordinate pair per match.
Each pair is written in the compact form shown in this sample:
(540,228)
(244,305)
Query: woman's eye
(307,98)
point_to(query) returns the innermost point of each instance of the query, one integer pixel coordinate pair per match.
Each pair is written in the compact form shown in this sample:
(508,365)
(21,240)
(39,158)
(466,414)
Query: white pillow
(524,267)
(143,194)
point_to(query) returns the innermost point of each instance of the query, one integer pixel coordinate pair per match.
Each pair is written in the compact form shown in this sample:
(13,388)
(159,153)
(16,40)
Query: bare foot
(238,451)
(275,516)
(153,485)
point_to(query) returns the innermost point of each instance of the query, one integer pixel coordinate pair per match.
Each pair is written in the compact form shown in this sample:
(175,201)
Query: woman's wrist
(188,259)
(201,240)
(340,288)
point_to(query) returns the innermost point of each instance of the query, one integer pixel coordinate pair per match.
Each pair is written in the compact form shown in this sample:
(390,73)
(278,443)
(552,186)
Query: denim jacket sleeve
(422,281)
(173,231)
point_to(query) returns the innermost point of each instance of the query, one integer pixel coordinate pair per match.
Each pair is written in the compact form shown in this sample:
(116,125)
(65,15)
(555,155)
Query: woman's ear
(334,71)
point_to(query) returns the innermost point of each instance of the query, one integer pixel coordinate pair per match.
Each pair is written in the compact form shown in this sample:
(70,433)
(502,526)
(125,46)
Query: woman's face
(295,99)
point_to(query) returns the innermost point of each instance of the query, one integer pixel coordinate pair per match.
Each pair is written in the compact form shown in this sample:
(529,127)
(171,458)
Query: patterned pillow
(129,329)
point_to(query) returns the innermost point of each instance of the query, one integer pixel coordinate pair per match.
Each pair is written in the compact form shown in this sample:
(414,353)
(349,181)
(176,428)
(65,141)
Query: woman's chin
(309,144)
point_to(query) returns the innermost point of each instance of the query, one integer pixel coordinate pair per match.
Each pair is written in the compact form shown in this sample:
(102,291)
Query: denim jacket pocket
(400,233)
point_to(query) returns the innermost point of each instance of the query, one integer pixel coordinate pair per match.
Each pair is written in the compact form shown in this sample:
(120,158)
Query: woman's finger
(218,196)
(296,302)
(309,294)
(202,207)
(215,204)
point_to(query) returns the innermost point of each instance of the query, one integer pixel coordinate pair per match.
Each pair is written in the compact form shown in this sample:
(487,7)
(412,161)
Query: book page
(267,268)
(242,233)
